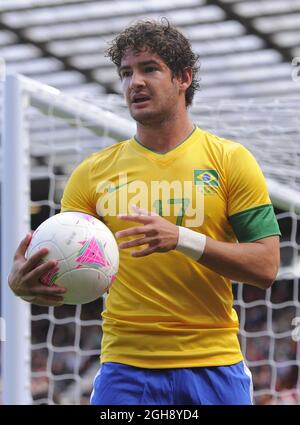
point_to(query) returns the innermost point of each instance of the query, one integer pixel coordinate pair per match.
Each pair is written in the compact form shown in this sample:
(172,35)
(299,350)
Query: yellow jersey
(166,310)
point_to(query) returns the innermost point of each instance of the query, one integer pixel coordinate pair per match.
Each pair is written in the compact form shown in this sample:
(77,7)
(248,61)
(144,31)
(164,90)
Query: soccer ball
(87,254)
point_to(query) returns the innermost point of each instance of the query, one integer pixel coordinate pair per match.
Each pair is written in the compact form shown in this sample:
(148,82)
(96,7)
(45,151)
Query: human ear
(186,78)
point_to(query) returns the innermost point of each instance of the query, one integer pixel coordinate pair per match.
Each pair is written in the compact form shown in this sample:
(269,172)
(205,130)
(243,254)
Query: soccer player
(191,212)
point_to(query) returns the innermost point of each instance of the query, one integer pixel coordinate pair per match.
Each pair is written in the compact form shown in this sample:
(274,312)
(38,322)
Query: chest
(187,190)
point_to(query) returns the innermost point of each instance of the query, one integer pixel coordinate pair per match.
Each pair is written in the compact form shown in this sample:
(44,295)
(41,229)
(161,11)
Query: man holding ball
(197,216)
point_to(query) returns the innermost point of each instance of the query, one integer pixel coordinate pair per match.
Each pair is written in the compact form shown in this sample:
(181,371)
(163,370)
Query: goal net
(51,355)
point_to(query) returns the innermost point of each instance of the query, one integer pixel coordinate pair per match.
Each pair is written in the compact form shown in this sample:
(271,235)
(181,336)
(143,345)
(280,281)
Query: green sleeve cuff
(255,223)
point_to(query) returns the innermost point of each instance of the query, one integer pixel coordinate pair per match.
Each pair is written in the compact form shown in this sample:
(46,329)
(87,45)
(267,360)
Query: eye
(125,74)
(150,69)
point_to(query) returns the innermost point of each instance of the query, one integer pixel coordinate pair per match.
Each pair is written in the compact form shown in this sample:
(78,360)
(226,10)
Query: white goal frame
(20,91)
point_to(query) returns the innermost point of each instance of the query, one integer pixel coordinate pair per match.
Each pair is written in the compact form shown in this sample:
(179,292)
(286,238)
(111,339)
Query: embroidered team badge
(208,179)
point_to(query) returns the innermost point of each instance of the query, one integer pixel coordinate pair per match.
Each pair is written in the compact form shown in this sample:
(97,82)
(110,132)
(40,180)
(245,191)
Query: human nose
(136,80)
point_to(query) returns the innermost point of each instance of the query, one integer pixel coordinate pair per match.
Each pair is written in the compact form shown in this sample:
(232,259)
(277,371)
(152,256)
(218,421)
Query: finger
(31,271)
(144,252)
(144,219)
(135,242)
(34,260)
(21,250)
(142,211)
(34,284)
(42,290)
(132,231)
(48,301)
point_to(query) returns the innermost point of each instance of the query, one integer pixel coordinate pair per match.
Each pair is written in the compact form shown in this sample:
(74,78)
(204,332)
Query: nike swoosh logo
(112,189)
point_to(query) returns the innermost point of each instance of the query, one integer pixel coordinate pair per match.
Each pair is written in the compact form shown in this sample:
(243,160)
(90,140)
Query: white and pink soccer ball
(87,254)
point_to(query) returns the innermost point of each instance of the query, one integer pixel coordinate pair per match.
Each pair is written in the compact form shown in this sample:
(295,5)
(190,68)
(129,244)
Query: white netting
(66,340)
(270,130)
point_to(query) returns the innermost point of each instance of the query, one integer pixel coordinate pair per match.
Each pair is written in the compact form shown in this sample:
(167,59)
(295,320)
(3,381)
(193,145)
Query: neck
(166,135)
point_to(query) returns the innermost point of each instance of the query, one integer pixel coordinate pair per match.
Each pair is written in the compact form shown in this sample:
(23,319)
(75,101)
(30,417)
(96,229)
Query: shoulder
(107,154)
(228,151)
(213,141)
(112,149)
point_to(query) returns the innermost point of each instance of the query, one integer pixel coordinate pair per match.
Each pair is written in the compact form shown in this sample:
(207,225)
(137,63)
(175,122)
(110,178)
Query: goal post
(45,135)
(15,223)
(20,93)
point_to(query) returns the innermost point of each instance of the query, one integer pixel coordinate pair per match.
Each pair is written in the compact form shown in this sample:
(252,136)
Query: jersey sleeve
(249,207)
(78,195)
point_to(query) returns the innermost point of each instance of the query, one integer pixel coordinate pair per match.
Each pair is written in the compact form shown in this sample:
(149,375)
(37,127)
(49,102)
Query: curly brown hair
(163,39)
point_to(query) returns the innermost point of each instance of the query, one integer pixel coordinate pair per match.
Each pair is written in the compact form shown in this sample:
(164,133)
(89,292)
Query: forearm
(255,263)
(242,262)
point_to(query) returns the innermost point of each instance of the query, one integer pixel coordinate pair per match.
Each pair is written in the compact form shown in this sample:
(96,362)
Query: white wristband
(191,243)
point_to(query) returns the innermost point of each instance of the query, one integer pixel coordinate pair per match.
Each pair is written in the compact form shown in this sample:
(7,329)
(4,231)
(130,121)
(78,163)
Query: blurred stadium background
(250,92)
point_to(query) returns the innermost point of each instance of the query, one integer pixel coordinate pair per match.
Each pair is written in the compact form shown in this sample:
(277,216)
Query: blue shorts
(120,384)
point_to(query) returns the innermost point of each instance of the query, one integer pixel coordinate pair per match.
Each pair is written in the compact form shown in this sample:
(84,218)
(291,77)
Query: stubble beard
(153,118)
